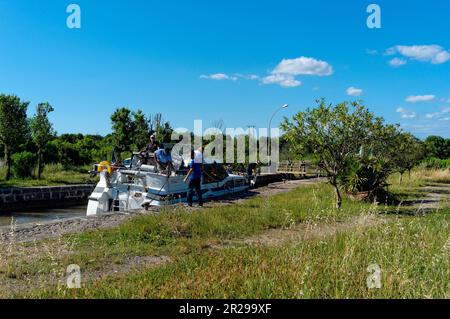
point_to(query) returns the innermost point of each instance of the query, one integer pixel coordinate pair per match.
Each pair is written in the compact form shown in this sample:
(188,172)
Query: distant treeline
(29,142)
(434,152)
(437,152)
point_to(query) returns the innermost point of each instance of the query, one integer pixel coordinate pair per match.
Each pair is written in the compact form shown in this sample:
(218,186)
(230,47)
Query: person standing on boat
(164,159)
(153,145)
(195,178)
(148,151)
(252,172)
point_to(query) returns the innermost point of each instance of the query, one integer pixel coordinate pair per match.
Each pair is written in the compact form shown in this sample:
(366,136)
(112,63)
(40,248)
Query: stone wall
(15,199)
(28,198)
(266,179)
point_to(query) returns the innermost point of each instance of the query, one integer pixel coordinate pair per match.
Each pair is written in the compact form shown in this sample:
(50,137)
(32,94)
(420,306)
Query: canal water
(40,216)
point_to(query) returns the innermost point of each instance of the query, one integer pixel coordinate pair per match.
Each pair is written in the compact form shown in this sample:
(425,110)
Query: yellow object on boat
(104,166)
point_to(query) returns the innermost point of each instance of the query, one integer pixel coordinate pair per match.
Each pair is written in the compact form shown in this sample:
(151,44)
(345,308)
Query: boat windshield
(213,173)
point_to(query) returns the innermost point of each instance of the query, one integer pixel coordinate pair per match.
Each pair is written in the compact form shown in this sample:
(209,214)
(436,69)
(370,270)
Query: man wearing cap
(152,147)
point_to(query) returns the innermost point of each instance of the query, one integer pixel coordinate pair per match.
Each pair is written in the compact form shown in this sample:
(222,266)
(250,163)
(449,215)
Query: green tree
(41,131)
(123,130)
(86,146)
(13,126)
(409,151)
(164,133)
(438,147)
(335,135)
(22,164)
(142,130)
(369,170)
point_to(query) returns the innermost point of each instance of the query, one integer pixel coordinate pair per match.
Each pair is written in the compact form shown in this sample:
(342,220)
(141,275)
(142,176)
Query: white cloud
(284,73)
(303,66)
(397,62)
(352,91)
(219,77)
(442,115)
(371,52)
(252,77)
(248,76)
(432,115)
(434,54)
(426,128)
(284,80)
(420,98)
(406,114)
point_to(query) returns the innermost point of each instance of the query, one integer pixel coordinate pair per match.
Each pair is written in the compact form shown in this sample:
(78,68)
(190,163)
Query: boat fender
(104,166)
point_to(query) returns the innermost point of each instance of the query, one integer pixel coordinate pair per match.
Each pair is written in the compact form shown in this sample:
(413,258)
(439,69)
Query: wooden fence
(303,168)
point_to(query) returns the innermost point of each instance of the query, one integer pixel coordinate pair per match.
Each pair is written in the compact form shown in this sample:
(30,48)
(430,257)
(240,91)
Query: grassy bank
(411,253)
(409,250)
(53,175)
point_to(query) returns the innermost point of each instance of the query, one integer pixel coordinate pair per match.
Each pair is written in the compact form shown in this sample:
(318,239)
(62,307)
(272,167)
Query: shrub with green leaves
(366,175)
(23,164)
(436,163)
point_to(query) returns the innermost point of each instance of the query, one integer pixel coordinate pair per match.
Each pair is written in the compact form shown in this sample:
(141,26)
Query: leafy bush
(436,163)
(365,175)
(23,164)
(438,147)
(51,169)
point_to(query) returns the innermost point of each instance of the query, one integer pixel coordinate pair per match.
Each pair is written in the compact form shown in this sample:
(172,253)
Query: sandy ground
(436,197)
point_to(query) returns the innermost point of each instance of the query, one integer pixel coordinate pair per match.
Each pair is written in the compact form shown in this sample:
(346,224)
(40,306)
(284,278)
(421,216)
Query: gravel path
(436,197)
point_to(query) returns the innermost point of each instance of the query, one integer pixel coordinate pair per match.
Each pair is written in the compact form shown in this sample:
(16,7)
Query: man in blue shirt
(164,159)
(195,180)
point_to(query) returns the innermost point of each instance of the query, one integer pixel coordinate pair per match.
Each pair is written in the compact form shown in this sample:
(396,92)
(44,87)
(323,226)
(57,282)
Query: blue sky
(234,61)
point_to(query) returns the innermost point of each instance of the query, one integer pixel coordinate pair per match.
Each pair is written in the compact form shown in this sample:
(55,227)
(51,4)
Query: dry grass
(411,251)
(412,254)
(436,176)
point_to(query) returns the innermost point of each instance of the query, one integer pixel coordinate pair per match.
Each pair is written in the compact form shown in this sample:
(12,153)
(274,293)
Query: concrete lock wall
(266,179)
(14,199)
(27,198)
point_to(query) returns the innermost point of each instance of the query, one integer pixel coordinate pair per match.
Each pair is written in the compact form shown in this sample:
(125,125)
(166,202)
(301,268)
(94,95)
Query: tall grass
(410,251)
(413,255)
(420,177)
(53,175)
(432,175)
(435,163)
(177,232)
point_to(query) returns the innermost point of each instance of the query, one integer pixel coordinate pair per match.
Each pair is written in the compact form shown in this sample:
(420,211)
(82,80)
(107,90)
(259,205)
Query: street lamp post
(269,137)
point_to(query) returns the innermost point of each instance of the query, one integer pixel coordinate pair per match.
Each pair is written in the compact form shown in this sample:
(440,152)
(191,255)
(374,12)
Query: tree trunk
(338,195)
(8,163)
(39,163)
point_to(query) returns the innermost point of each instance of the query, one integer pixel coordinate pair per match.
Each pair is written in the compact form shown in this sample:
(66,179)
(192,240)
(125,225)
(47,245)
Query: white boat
(138,186)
